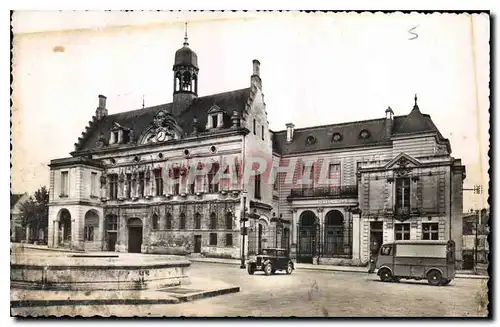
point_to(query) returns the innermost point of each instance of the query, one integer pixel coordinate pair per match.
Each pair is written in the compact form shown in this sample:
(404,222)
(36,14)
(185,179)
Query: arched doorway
(134,235)
(65,228)
(334,234)
(308,232)
(91,226)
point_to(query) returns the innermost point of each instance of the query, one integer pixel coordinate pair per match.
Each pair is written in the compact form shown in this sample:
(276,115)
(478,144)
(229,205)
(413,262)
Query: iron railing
(345,191)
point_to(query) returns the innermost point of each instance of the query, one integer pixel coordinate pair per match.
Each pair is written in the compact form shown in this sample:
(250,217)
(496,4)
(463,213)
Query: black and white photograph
(250,164)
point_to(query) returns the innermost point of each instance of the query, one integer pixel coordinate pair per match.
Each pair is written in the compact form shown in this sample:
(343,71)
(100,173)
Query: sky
(316,69)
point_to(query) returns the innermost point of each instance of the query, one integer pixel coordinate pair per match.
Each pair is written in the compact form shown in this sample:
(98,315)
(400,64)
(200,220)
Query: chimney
(255,78)
(389,114)
(289,132)
(101,110)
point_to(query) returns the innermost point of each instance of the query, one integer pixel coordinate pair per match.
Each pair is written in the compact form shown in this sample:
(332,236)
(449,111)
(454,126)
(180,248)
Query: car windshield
(267,252)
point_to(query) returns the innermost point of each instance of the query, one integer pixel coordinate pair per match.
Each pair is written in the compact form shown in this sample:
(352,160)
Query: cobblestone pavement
(306,294)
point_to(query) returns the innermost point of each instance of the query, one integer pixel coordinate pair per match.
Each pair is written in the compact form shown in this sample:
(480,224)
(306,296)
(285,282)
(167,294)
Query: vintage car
(270,260)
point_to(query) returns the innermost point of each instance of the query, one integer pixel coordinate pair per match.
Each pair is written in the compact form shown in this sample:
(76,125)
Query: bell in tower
(185,77)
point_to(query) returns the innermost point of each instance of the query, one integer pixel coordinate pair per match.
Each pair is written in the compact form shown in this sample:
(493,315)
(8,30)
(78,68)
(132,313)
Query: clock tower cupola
(185,77)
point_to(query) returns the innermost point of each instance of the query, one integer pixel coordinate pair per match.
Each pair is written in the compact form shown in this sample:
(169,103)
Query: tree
(35,211)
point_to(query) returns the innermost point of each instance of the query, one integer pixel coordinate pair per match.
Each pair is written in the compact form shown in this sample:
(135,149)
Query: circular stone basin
(123,271)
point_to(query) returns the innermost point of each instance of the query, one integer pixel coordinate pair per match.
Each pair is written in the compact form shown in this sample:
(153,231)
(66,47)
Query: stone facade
(128,186)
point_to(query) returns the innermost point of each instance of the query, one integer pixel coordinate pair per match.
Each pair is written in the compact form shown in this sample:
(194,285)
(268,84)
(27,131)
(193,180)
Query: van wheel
(289,269)
(434,277)
(385,275)
(445,281)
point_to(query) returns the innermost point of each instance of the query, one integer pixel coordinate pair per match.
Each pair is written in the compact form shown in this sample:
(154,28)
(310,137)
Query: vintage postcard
(250,164)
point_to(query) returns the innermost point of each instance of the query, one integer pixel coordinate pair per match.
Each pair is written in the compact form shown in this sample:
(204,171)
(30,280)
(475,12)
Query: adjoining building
(128,187)
(17,231)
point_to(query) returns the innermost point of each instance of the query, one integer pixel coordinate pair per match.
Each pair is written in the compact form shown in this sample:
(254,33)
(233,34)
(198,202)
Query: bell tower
(185,77)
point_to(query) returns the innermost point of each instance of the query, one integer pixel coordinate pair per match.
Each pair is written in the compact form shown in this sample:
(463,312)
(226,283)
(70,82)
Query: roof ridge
(357,122)
(158,106)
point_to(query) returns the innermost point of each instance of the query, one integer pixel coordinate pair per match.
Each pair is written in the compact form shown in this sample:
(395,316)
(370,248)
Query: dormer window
(364,134)
(215,117)
(310,140)
(337,137)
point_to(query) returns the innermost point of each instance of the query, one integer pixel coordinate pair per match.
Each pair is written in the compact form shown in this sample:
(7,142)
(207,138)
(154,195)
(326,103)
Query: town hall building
(128,185)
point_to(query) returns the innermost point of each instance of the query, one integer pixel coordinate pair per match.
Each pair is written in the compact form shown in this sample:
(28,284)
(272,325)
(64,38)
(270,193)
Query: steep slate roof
(413,123)
(141,119)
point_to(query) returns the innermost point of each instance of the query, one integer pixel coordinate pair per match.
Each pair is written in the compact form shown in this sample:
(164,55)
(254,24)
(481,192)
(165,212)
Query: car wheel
(434,277)
(385,275)
(289,269)
(251,269)
(268,269)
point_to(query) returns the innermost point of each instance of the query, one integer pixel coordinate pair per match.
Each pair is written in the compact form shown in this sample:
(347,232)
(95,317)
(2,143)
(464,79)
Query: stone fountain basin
(114,271)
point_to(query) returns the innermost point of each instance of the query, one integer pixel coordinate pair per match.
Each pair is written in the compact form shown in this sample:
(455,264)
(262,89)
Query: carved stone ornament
(103,180)
(164,128)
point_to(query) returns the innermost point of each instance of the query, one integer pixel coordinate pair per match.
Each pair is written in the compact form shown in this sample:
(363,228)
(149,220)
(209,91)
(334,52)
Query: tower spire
(186,34)
(415,107)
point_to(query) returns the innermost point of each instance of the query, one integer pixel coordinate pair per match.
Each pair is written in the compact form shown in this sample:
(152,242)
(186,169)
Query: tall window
(213,238)
(213,221)
(176,181)
(93,184)
(64,183)
(141,184)
(402,195)
(254,127)
(192,186)
(262,130)
(182,221)
(112,223)
(276,182)
(229,239)
(197,221)
(430,231)
(334,175)
(158,181)
(229,221)
(402,232)
(113,186)
(88,233)
(155,222)
(257,186)
(129,186)
(213,184)
(168,222)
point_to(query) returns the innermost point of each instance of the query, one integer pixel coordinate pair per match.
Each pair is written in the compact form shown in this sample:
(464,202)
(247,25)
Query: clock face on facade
(161,135)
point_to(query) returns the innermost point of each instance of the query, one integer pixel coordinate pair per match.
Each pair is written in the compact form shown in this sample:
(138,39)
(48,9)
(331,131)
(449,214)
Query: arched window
(213,221)
(182,221)
(197,221)
(168,221)
(155,222)
(229,221)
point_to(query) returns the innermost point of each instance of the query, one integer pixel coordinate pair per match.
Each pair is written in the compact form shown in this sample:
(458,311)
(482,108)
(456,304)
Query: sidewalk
(306,266)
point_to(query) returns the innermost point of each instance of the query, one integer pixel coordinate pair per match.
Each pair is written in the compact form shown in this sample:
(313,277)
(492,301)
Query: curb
(47,303)
(202,295)
(329,268)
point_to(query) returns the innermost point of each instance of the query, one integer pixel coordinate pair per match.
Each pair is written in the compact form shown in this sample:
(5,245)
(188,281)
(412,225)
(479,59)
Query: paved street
(306,294)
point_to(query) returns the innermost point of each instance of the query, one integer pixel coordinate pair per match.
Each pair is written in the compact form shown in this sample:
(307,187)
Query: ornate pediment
(402,165)
(215,109)
(163,128)
(402,161)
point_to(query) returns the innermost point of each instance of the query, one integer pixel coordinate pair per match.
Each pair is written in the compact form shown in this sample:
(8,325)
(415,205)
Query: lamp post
(243,219)
(279,226)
